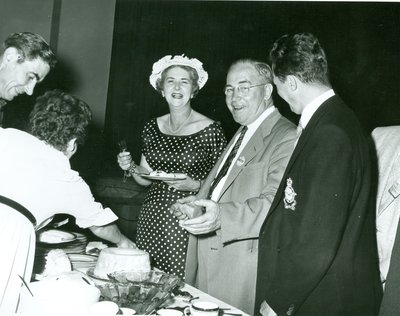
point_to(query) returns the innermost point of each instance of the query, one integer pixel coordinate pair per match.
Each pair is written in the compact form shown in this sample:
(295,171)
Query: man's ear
(11,54)
(71,148)
(292,82)
(268,88)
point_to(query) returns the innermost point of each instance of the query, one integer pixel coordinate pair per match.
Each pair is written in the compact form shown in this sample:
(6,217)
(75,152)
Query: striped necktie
(222,172)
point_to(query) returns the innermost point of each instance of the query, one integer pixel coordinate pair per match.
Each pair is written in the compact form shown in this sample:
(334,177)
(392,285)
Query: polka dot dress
(158,231)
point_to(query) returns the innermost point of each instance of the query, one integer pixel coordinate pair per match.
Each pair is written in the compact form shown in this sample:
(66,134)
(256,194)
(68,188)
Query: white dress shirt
(313,106)
(40,178)
(251,129)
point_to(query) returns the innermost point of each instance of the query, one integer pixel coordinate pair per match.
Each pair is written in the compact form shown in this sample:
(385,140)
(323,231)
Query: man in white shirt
(237,194)
(317,249)
(37,182)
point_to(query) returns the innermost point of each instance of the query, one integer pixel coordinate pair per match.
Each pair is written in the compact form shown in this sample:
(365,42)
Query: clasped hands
(197,216)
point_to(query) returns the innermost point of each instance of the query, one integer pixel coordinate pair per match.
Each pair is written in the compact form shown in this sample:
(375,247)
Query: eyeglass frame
(242,85)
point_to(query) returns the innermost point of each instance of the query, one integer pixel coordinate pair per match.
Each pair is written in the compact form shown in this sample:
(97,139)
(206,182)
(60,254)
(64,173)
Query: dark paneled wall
(362,41)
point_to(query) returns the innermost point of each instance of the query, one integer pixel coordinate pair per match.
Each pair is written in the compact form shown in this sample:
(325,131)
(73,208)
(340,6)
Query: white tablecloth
(228,309)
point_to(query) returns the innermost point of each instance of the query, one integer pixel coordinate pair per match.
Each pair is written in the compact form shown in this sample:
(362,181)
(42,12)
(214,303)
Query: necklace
(174,131)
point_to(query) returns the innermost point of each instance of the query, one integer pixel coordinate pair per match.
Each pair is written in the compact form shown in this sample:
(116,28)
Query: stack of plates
(70,243)
(78,245)
(82,262)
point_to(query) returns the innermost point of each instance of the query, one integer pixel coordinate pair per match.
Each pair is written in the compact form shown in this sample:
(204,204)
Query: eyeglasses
(243,89)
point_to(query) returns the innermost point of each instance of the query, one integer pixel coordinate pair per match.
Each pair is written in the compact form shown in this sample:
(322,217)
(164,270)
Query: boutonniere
(290,195)
(241,160)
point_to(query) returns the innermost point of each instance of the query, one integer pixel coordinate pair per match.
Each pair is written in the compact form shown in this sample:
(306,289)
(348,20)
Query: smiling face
(245,109)
(177,87)
(20,77)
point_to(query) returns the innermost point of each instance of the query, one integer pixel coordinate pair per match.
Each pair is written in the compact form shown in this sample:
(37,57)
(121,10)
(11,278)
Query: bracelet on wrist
(132,168)
(198,189)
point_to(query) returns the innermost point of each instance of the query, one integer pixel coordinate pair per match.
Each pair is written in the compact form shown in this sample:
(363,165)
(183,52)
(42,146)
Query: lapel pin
(241,160)
(290,195)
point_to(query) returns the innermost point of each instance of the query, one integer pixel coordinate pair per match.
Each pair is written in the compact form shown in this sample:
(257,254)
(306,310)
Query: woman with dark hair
(37,182)
(183,143)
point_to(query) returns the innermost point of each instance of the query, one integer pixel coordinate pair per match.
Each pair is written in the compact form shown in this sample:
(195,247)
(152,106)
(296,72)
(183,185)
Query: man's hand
(206,223)
(112,233)
(126,243)
(185,209)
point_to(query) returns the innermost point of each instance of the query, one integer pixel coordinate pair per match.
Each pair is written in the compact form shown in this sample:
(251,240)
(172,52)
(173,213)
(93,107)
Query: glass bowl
(145,292)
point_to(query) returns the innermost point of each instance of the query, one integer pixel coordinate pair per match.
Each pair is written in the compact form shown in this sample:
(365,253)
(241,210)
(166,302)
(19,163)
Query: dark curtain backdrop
(362,42)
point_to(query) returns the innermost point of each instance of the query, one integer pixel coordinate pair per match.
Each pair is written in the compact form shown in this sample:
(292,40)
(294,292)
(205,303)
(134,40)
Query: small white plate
(76,257)
(55,236)
(164,178)
(127,311)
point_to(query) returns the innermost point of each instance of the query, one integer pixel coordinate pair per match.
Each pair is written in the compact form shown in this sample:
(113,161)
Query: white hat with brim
(178,60)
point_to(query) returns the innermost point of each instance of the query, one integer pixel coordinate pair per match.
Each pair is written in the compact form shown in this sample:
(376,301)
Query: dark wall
(361,41)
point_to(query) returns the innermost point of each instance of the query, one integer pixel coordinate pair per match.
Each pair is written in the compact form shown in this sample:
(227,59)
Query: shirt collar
(254,125)
(313,106)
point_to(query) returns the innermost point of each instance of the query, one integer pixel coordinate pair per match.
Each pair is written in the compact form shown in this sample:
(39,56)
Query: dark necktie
(222,172)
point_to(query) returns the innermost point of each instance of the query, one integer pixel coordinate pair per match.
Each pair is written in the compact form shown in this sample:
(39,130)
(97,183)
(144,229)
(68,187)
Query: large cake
(121,259)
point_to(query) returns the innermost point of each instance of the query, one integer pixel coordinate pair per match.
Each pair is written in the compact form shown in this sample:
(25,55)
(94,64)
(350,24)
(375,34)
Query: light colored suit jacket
(224,263)
(387,144)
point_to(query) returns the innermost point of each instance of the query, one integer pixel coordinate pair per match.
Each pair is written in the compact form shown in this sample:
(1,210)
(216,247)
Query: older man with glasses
(225,217)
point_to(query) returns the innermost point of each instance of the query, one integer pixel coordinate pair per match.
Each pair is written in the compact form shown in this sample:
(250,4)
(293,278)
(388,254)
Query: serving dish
(145,292)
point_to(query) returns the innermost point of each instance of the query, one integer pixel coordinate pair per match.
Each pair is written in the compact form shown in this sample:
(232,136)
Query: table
(206,297)
(177,301)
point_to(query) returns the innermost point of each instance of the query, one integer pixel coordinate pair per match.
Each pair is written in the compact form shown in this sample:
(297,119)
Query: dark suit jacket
(317,250)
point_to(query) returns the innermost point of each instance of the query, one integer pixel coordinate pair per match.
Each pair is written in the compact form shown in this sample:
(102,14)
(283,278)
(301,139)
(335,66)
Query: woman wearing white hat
(183,144)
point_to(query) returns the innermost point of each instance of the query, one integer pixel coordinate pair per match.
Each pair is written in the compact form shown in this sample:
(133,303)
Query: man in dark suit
(317,246)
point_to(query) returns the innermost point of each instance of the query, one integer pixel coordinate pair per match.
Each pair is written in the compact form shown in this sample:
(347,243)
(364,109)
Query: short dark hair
(263,69)
(31,46)
(194,77)
(58,117)
(300,55)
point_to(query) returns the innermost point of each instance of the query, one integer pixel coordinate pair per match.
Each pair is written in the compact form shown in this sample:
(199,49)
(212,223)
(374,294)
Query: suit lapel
(305,136)
(251,149)
(203,193)
(389,174)
(390,193)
